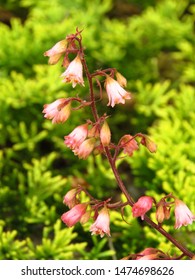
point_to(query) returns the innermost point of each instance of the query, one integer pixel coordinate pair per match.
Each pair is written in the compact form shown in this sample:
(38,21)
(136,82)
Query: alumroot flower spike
(94,138)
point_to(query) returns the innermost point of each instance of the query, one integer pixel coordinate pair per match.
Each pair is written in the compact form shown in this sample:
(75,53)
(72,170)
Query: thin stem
(89,78)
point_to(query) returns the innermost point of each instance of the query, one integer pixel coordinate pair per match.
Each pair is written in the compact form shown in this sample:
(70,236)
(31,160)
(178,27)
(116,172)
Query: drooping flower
(183,215)
(76,137)
(73,216)
(105,134)
(129,144)
(85,149)
(56,51)
(143,205)
(74,72)
(70,198)
(102,223)
(116,94)
(59,110)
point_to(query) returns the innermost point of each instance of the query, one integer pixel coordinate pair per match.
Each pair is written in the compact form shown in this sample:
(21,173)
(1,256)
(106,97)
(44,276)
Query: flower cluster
(78,213)
(84,140)
(183,215)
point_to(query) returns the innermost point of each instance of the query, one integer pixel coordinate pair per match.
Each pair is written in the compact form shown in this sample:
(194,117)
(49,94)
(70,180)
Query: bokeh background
(152,44)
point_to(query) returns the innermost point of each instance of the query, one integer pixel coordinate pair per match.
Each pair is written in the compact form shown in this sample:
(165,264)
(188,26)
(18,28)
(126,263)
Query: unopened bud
(160,215)
(105,134)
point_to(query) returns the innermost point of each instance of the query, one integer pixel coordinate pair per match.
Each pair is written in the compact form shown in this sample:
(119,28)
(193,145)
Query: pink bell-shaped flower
(102,223)
(74,215)
(74,72)
(143,205)
(183,215)
(76,137)
(116,94)
(59,110)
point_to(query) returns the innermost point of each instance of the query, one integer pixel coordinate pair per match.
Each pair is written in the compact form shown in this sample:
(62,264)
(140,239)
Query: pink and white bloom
(56,51)
(116,94)
(128,144)
(143,205)
(70,198)
(102,223)
(76,137)
(85,149)
(74,215)
(59,110)
(74,72)
(183,215)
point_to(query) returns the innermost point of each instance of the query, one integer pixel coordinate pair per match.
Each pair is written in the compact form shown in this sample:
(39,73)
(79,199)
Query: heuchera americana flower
(85,149)
(74,215)
(183,215)
(105,134)
(143,205)
(76,137)
(59,110)
(116,94)
(70,198)
(74,72)
(129,144)
(102,223)
(56,51)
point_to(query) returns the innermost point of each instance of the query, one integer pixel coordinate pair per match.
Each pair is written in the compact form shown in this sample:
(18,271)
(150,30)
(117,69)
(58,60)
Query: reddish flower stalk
(83,141)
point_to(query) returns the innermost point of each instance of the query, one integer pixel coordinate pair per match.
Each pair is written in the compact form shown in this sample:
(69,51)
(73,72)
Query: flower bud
(160,215)
(105,134)
(121,79)
(150,145)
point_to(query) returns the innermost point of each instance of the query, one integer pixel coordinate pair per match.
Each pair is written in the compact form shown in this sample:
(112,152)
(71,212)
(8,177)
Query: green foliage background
(152,44)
